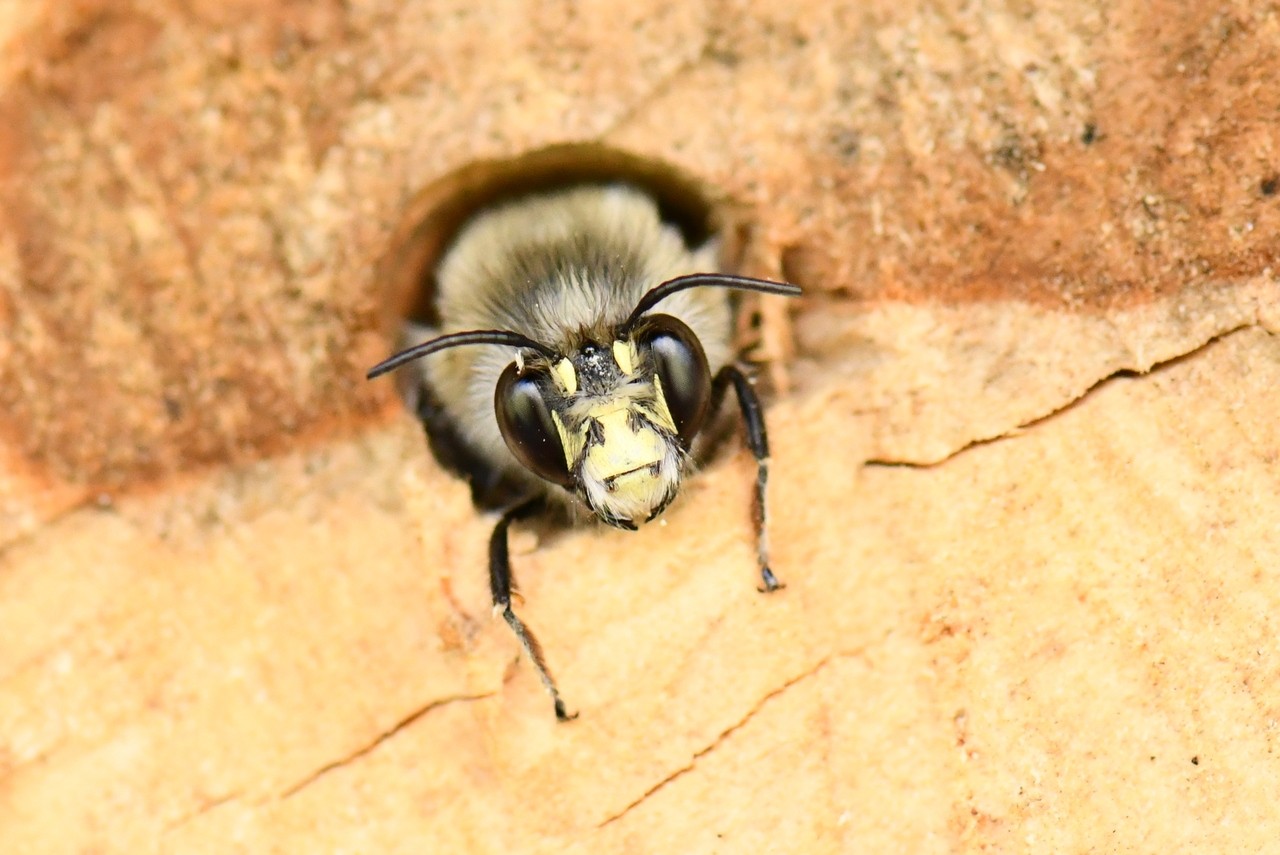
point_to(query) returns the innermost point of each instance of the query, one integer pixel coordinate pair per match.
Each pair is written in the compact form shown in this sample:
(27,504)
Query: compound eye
(525,421)
(681,365)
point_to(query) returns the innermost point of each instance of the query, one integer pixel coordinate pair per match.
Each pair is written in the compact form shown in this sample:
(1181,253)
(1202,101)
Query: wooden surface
(1026,477)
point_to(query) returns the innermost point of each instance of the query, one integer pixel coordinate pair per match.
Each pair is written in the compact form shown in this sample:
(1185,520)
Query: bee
(581,352)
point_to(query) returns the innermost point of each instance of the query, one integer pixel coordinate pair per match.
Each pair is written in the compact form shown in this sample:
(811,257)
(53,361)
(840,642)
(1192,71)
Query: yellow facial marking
(624,353)
(663,414)
(565,376)
(631,470)
(570,441)
(623,449)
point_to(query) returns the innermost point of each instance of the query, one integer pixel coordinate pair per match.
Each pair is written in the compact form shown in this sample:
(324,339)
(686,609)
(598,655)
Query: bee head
(611,422)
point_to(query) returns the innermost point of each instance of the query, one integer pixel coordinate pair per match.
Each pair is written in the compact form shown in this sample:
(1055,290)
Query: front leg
(758,442)
(500,586)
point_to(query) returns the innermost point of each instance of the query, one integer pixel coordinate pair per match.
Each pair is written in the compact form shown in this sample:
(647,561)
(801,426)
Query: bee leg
(500,586)
(758,442)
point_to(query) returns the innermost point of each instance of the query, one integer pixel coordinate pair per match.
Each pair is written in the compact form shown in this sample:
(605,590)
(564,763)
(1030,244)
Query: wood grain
(1026,472)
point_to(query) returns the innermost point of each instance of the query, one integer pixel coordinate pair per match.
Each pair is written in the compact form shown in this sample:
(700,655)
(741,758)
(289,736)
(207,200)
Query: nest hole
(437,214)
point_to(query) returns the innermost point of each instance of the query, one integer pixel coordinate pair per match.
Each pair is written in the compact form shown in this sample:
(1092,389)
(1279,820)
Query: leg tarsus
(771,582)
(533,650)
(500,585)
(758,442)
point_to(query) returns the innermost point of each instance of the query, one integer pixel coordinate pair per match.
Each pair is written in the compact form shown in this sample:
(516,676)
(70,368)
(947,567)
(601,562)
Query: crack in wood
(382,737)
(721,737)
(211,804)
(1118,373)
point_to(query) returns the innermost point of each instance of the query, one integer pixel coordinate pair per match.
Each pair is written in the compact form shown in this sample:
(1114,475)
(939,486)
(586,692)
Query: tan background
(1025,482)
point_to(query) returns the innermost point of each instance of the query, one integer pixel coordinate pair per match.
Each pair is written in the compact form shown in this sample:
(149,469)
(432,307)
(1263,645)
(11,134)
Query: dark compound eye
(525,421)
(681,365)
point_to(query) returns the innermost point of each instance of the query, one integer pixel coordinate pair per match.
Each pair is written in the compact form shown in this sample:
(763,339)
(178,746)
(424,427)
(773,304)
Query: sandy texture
(1062,639)
(1031,587)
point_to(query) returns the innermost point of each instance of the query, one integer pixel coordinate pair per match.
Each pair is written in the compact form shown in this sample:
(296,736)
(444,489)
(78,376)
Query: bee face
(611,423)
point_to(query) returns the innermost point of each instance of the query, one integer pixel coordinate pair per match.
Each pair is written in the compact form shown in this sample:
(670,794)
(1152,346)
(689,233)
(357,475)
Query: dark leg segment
(758,442)
(500,586)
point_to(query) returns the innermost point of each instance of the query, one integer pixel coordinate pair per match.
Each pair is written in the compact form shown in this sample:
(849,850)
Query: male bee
(581,353)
